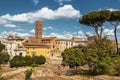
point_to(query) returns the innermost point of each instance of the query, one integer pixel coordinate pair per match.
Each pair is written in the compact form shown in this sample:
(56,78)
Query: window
(20,53)
(53,46)
(33,53)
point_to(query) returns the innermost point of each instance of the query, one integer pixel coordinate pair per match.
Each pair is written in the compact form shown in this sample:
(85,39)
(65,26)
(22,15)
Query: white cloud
(66,11)
(32,31)
(109,32)
(69,35)
(23,35)
(111,9)
(10,25)
(48,28)
(35,2)
(88,34)
(2,21)
(61,1)
(19,29)
(5,34)
(118,27)
(18,18)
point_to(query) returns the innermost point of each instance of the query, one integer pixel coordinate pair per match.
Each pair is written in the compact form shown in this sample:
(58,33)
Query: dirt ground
(49,72)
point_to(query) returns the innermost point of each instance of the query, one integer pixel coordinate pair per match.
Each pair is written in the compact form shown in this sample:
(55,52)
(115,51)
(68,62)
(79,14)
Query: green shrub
(117,65)
(28,73)
(40,60)
(34,65)
(19,61)
(81,71)
(102,67)
(28,60)
(99,55)
(73,57)
(2,78)
(4,58)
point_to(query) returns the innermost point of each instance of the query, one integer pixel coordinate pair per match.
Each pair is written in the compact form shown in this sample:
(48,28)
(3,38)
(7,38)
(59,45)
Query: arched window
(33,53)
(20,53)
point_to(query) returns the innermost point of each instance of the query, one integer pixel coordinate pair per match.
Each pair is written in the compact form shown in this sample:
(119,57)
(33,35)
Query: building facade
(37,45)
(52,46)
(14,46)
(68,43)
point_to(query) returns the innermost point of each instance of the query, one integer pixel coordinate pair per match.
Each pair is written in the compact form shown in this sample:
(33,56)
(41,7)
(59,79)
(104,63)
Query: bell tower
(38,31)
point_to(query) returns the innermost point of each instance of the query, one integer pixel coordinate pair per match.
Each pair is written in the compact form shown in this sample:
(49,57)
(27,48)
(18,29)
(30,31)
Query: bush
(102,67)
(28,60)
(81,71)
(40,60)
(28,73)
(117,65)
(98,55)
(19,61)
(73,57)
(2,78)
(4,58)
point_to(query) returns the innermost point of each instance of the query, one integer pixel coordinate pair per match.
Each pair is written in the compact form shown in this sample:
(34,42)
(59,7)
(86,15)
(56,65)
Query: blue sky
(59,17)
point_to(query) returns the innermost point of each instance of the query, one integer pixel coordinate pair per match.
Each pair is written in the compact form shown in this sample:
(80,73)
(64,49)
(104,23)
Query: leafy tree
(95,19)
(73,57)
(1,47)
(115,17)
(100,56)
(4,58)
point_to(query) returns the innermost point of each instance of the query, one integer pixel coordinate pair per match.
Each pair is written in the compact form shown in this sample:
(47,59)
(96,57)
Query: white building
(14,45)
(68,43)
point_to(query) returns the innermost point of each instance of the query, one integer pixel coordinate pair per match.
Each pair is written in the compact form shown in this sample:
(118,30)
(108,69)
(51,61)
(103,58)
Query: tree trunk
(115,34)
(96,30)
(101,31)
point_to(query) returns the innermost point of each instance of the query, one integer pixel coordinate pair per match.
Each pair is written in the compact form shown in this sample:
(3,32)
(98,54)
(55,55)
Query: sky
(59,17)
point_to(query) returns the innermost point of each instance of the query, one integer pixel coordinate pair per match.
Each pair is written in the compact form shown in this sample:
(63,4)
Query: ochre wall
(38,51)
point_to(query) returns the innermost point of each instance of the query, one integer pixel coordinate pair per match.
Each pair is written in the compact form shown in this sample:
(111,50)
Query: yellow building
(37,51)
(35,45)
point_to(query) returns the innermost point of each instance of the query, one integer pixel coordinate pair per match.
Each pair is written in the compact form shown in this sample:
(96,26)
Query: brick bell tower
(38,31)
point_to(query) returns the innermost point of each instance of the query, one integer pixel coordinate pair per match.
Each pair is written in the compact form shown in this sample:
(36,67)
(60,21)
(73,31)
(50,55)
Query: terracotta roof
(44,38)
(36,45)
(20,46)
